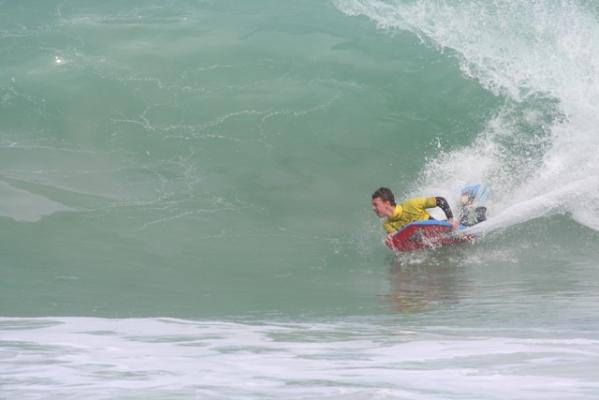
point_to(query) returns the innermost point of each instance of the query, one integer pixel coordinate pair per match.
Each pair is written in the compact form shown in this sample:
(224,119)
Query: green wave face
(216,158)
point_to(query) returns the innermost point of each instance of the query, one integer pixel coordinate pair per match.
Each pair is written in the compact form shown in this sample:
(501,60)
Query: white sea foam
(158,358)
(539,153)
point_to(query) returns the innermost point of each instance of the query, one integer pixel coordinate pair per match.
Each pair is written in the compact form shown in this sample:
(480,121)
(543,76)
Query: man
(399,215)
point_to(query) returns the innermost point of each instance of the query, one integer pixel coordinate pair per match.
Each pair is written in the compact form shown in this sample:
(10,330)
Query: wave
(538,153)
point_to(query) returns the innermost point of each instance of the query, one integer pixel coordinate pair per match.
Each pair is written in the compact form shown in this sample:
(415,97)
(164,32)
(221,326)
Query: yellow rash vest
(409,211)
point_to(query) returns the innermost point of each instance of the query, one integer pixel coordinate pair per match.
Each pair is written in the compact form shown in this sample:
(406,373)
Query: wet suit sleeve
(443,205)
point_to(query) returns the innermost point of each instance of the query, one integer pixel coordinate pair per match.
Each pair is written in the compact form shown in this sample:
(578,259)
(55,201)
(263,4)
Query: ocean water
(185,199)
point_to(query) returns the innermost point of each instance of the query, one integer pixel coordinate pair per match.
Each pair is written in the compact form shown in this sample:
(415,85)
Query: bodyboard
(428,234)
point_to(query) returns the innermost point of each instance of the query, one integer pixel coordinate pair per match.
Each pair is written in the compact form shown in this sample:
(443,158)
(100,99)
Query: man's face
(380,207)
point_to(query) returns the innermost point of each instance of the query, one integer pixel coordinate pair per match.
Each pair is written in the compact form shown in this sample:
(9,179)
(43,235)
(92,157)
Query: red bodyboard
(427,234)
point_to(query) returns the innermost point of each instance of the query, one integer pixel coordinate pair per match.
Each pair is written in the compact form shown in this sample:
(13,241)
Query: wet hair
(384,194)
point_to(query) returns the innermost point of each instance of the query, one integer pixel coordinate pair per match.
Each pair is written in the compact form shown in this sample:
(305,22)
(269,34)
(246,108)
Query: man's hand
(389,240)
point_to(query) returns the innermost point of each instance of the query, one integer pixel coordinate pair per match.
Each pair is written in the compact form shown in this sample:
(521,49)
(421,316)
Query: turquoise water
(185,199)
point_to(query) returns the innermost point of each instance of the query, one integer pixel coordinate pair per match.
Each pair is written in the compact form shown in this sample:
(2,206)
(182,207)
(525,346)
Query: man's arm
(390,232)
(443,205)
(388,227)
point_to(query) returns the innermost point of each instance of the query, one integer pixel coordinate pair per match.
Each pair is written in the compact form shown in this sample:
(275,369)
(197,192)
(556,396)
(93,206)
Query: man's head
(383,202)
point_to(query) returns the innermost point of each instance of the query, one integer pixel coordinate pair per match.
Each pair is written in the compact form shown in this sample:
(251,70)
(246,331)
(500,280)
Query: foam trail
(536,207)
(539,151)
